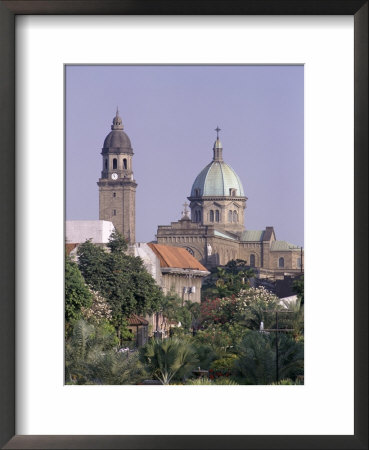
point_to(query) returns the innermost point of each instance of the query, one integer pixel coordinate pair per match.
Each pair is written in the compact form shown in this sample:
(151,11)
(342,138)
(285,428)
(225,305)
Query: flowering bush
(222,367)
(250,307)
(99,310)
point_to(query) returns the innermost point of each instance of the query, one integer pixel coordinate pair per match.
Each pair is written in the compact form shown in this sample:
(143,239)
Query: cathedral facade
(214,231)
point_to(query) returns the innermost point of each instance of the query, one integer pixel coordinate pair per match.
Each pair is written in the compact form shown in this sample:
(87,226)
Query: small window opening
(217,216)
(252,260)
(114,194)
(124,164)
(114,163)
(211,216)
(106,164)
(281,263)
(114,212)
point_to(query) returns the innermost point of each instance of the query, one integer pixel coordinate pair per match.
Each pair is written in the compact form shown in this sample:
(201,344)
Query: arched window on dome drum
(232,192)
(229,216)
(281,263)
(114,163)
(235,216)
(211,216)
(197,192)
(252,260)
(124,164)
(217,216)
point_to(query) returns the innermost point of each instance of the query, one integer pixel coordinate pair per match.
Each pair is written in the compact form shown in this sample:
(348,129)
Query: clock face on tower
(114,176)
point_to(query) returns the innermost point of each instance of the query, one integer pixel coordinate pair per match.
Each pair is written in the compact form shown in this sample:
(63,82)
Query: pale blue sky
(170,113)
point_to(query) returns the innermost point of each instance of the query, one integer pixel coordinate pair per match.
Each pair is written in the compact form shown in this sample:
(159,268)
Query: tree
(120,278)
(77,294)
(256,362)
(228,280)
(298,287)
(168,358)
(117,243)
(91,357)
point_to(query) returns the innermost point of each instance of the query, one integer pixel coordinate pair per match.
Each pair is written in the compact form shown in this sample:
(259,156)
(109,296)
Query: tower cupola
(117,122)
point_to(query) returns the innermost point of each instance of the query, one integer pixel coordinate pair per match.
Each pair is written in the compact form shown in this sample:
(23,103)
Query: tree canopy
(77,294)
(122,279)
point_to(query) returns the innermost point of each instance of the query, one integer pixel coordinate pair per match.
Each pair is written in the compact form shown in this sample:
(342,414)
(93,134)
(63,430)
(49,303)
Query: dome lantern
(218,148)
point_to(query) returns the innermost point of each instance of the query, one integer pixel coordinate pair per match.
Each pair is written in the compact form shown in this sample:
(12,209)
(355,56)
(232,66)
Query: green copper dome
(217,178)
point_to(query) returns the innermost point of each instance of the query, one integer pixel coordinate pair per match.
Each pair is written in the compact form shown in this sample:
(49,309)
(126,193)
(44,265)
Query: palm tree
(91,359)
(257,358)
(168,358)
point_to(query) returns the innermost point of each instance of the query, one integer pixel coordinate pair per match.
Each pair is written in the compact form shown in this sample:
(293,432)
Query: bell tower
(117,187)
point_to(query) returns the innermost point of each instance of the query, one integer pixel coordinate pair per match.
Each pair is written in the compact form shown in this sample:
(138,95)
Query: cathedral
(212,229)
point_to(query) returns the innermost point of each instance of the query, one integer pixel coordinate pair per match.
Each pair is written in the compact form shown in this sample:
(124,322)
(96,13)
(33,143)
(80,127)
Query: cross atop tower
(185,211)
(217,129)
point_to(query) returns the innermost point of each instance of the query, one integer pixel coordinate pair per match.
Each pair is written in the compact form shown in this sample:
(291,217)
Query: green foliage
(120,278)
(298,287)
(168,358)
(227,280)
(225,381)
(91,357)
(287,382)
(77,294)
(256,305)
(225,364)
(207,382)
(257,358)
(199,382)
(216,338)
(204,353)
(117,243)
(173,308)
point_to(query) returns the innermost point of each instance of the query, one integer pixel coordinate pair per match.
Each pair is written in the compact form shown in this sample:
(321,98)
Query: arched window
(281,263)
(199,216)
(229,216)
(217,216)
(114,194)
(197,192)
(211,216)
(114,212)
(106,164)
(114,163)
(124,164)
(252,260)
(232,192)
(235,216)
(190,251)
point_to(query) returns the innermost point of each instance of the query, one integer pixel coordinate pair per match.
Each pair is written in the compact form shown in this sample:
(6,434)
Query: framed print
(38,41)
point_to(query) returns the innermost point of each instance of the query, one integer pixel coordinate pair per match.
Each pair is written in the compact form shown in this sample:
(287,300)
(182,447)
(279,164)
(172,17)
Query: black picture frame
(8,12)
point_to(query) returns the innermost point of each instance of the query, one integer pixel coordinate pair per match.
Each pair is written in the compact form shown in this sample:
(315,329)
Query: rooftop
(175,257)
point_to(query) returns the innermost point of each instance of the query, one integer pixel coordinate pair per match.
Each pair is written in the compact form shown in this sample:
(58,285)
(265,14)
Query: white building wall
(78,231)
(151,261)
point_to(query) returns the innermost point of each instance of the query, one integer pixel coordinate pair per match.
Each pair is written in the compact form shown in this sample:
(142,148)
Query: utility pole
(277,330)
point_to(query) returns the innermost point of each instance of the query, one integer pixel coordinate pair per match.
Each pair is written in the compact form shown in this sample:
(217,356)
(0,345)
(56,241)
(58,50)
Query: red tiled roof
(69,248)
(176,257)
(135,320)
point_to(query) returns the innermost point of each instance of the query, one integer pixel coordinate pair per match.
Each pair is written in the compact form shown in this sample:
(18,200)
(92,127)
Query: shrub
(223,367)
